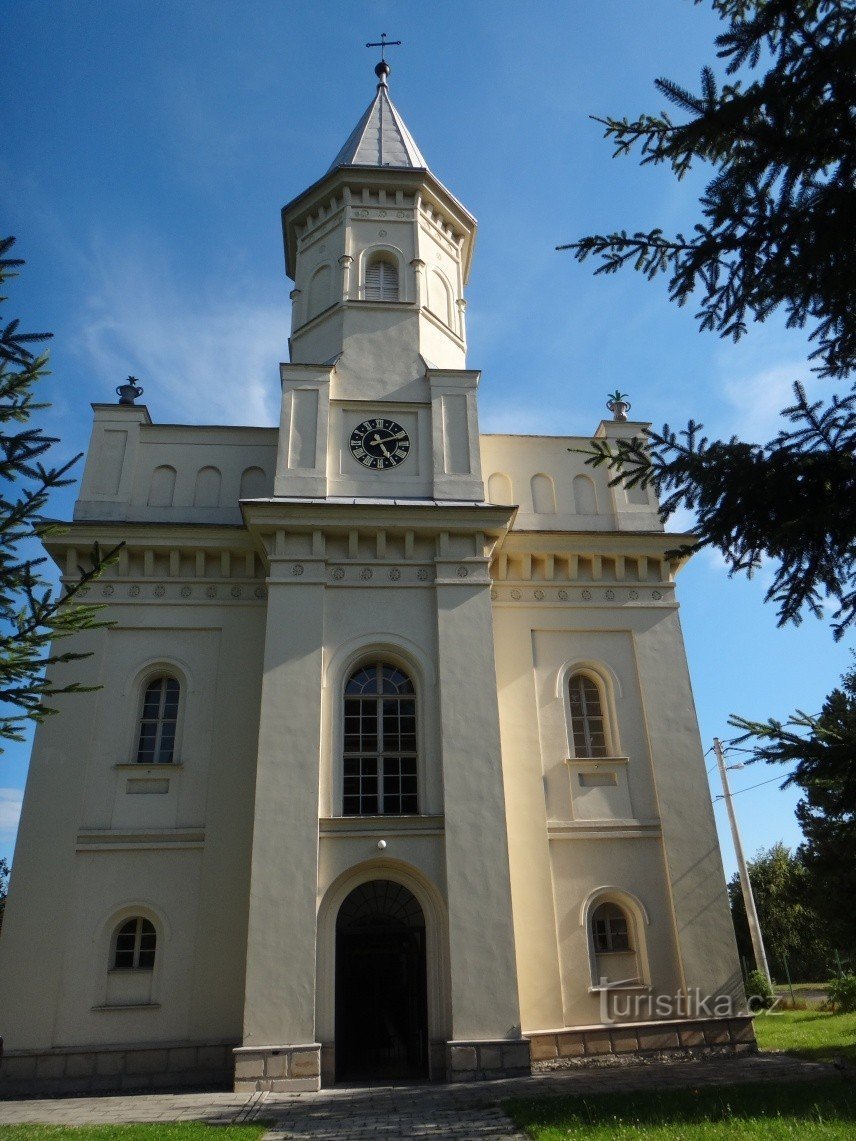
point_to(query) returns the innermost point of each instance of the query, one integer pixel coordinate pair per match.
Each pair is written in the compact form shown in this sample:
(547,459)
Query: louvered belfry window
(381,280)
(587,721)
(379,763)
(156,744)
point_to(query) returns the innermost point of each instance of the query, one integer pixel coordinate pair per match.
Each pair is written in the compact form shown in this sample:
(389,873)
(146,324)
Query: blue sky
(148,148)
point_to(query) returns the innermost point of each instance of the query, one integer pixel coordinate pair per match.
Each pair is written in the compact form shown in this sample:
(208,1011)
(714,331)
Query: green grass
(814,1034)
(823,1109)
(161,1131)
(784,988)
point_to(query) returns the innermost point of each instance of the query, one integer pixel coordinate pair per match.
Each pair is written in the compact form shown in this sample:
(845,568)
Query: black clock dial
(379,444)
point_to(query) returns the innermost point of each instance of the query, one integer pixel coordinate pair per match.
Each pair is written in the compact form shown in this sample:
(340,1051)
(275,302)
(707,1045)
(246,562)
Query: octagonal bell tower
(379,252)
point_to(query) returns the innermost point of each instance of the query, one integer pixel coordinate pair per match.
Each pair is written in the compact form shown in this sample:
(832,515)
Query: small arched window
(617,957)
(134,945)
(381,280)
(379,763)
(158,721)
(587,719)
(610,930)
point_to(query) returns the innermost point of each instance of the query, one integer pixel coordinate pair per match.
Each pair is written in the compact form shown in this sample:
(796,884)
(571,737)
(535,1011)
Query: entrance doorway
(381,1007)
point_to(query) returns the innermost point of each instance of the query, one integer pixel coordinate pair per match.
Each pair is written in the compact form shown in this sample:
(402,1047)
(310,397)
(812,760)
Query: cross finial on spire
(382,69)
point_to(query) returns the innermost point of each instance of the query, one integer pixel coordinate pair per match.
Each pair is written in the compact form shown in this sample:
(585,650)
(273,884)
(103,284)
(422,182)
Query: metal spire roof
(380,138)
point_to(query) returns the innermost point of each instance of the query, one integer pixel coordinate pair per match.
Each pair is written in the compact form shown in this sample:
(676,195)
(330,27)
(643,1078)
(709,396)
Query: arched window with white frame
(134,945)
(158,721)
(614,941)
(588,720)
(380,751)
(381,279)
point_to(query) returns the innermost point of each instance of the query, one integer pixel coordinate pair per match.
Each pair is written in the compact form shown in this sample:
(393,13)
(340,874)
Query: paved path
(469,1110)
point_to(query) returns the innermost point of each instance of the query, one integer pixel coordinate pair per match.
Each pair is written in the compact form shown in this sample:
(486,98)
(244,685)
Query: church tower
(379,545)
(379,251)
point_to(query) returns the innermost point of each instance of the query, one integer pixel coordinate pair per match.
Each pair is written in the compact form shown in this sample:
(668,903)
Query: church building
(392,771)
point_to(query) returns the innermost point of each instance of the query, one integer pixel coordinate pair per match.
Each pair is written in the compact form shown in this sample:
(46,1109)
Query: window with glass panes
(609,929)
(156,744)
(587,721)
(379,764)
(135,946)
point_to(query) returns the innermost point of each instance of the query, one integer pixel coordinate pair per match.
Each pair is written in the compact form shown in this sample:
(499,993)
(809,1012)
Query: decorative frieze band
(575,594)
(112,591)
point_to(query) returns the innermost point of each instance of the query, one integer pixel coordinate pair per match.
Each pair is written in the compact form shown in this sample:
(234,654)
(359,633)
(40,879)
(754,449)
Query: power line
(749,787)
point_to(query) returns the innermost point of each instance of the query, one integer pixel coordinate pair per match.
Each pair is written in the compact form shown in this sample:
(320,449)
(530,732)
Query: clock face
(379,444)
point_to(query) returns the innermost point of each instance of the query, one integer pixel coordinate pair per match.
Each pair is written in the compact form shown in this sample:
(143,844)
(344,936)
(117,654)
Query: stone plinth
(485,1060)
(557,1049)
(278,1069)
(100,1069)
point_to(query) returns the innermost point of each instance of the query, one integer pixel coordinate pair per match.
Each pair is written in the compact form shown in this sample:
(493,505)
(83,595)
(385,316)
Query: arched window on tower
(158,722)
(587,719)
(379,761)
(381,282)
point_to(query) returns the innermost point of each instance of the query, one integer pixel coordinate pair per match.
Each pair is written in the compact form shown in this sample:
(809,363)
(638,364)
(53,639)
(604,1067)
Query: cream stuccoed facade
(393,768)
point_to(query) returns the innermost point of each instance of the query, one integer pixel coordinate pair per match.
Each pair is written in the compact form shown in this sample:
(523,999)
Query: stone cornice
(264,516)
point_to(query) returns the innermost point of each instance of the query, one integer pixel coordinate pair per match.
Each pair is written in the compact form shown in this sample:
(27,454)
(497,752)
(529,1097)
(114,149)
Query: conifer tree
(33,613)
(822,750)
(775,232)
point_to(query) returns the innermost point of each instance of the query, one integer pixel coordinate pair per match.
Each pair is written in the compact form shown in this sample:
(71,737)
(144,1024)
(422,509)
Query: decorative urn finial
(619,406)
(129,391)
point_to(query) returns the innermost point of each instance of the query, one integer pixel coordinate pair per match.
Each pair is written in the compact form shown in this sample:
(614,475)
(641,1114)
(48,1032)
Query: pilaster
(279,1011)
(481,937)
(301,467)
(455,431)
(105,489)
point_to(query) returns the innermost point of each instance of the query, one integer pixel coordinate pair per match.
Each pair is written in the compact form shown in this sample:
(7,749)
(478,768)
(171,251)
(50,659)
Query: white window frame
(420,667)
(134,694)
(637,922)
(160,721)
(138,920)
(609,690)
(375,662)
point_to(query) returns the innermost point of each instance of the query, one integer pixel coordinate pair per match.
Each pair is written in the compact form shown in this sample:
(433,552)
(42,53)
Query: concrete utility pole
(748,897)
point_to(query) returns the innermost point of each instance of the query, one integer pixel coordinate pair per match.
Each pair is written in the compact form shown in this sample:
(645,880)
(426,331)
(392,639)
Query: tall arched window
(379,764)
(158,721)
(587,720)
(381,279)
(134,945)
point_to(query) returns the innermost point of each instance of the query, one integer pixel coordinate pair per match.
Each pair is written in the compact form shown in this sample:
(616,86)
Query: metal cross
(383,44)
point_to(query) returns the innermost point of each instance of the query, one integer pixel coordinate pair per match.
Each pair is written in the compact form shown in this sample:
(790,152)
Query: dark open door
(381,1009)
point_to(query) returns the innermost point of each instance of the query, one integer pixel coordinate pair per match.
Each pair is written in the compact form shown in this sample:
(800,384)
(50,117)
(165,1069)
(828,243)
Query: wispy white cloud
(757,396)
(10,808)
(206,354)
